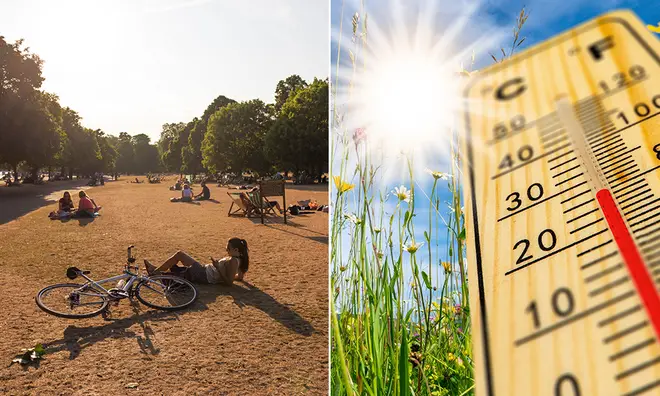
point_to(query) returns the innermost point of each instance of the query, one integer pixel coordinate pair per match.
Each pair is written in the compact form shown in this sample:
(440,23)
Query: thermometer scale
(562,193)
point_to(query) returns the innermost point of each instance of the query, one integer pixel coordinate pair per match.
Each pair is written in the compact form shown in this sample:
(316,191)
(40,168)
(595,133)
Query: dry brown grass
(268,336)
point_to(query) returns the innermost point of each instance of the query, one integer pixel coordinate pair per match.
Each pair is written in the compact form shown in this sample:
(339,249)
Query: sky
(488,19)
(133,65)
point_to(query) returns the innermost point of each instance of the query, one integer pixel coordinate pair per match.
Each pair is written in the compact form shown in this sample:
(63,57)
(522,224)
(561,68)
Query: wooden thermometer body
(561,148)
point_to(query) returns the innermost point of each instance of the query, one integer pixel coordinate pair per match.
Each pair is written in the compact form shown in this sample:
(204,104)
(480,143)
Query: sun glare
(402,86)
(406,100)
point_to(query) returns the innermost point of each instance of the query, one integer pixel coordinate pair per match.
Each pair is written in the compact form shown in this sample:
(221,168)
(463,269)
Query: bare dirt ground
(268,335)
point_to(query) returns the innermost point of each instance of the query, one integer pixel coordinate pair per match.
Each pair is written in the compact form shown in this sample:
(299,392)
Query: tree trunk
(34,172)
(70,174)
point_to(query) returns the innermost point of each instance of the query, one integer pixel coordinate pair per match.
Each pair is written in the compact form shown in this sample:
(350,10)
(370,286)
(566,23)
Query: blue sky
(547,18)
(133,65)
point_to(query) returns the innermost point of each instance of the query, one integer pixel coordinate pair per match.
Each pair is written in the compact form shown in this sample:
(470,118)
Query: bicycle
(91,295)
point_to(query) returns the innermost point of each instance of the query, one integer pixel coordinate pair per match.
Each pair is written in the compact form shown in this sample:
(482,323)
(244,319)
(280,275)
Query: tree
(108,152)
(146,155)
(125,154)
(170,146)
(235,138)
(286,88)
(192,155)
(298,140)
(20,79)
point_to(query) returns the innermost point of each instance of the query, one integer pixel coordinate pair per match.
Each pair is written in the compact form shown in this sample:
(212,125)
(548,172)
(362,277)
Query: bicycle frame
(126,275)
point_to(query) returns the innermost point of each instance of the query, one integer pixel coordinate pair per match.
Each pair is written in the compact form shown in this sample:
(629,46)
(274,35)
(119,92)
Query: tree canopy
(36,131)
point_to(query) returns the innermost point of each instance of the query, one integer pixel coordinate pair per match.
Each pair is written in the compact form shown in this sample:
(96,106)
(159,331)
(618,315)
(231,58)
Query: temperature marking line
(598,260)
(637,368)
(604,272)
(648,233)
(573,318)
(543,200)
(554,142)
(651,248)
(619,156)
(600,132)
(619,147)
(576,195)
(632,349)
(639,207)
(626,331)
(545,136)
(596,139)
(643,213)
(509,272)
(580,205)
(635,196)
(621,159)
(530,161)
(566,171)
(593,146)
(569,179)
(631,191)
(594,248)
(582,215)
(630,161)
(587,225)
(562,155)
(563,163)
(643,220)
(646,226)
(643,389)
(608,286)
(614,192)
(620,315)
(619,176)
(631,257)
(642,120)
(640,175)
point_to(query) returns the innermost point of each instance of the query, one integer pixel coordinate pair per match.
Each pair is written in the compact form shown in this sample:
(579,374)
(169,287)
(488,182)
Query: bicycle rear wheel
(166,292)
(72,301)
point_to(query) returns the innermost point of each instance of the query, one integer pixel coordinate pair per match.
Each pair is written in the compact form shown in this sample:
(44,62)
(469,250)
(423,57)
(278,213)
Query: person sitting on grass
(65,204)
(273,204)
(224,271)
(205,194)
(86,206)
(186,195)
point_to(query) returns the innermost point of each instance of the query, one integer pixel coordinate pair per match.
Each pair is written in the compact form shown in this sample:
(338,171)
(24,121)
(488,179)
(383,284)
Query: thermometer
(561,149)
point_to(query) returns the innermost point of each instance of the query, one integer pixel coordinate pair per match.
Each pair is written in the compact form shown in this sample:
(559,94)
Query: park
(264,334)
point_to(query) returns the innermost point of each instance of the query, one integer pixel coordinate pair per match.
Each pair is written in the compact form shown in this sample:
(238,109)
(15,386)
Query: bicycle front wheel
(166,292)
(72,301)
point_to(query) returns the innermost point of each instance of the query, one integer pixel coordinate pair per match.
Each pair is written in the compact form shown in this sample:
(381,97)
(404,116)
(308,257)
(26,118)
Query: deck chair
(273,188)
(243,205)
(261,205)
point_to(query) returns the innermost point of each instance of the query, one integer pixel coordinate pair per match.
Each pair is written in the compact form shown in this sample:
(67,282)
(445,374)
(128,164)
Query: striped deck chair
(243,205)
(260,204)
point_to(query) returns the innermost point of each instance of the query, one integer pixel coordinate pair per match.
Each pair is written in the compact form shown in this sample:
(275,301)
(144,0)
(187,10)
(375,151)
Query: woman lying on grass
(224,271)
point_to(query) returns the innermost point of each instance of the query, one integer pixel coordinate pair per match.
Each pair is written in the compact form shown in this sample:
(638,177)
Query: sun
(402,85)
(406,99)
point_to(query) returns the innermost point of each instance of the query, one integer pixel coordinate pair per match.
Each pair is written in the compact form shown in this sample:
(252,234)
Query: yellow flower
(447,266)
(451,357)
(342,186)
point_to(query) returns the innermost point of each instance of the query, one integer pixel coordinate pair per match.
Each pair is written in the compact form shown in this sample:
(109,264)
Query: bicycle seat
(73,272)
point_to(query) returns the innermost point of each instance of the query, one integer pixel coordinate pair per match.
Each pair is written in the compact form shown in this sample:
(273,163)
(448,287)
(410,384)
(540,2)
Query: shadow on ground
(75,338)
(19,201)
(250,295)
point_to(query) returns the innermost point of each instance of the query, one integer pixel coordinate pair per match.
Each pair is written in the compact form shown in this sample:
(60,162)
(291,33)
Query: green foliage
(235,138)
(287,88)
(298,139)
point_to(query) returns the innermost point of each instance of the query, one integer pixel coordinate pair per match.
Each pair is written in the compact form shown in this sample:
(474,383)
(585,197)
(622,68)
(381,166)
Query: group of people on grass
(65,207)
(187,194)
